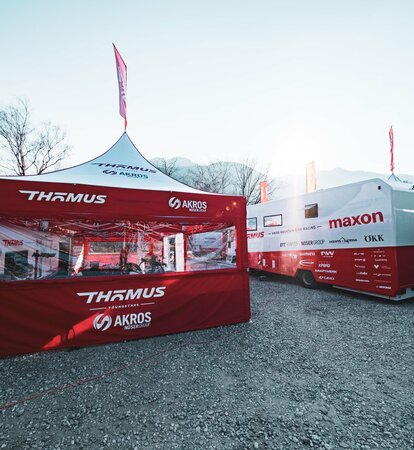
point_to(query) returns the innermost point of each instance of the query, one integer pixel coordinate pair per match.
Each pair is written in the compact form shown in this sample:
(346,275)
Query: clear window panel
(273,221)
(48,248)
(251,224)
(311,211)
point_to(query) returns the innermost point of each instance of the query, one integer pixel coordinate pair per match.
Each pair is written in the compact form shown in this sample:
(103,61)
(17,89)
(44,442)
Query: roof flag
(121,70)
(264,192)
(310,177)
(391,133)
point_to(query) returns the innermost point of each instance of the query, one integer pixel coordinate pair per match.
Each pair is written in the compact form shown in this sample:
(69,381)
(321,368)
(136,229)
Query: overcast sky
(285,82)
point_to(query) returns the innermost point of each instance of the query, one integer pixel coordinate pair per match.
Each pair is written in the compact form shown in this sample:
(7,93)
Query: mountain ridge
(294,183)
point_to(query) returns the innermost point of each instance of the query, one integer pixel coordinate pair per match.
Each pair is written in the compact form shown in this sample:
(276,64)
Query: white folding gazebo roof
(121,166)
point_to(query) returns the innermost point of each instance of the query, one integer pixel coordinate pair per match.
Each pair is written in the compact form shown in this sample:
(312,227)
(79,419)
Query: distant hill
(294,184)
(179,161)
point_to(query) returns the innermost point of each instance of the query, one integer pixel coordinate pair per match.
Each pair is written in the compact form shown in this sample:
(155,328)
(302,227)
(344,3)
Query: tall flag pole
(391,134)
(310,177)
(121,70)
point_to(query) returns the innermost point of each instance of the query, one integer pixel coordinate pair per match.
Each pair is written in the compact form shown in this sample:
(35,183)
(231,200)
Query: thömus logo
(102,322)
(64,197)
(174,203)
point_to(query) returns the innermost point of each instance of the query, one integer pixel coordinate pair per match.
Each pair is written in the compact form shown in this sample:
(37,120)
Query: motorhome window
(32,249)
(311,211)
(273,221)
(252,224)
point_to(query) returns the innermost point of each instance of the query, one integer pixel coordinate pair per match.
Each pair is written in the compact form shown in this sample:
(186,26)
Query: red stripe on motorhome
(373,270)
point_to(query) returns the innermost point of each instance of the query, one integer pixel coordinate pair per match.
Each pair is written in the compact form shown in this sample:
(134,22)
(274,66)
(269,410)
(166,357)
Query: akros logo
(125,167)
(132,321)
(123,294)
(102,322)
(174,203)
(190,205)
(351,221)
(68,197)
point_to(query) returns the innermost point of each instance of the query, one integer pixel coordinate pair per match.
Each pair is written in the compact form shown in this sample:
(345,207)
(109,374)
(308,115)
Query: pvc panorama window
(251,224)
(311,211)
(273,221)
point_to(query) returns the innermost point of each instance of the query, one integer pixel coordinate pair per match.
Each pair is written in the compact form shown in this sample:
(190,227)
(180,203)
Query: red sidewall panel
(383,271)
(405,262)
(46,315)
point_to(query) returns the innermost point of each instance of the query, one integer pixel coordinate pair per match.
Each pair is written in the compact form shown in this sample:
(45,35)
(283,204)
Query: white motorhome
(358,237)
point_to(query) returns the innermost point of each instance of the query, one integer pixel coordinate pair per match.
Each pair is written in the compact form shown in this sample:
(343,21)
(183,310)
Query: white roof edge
(395,186)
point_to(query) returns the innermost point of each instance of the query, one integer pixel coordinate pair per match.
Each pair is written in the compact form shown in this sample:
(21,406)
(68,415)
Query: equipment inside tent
(113,249)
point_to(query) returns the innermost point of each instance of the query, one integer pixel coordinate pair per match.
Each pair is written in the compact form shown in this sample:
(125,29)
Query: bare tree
(247,180)
(25,149)
(167,166)
(214,177)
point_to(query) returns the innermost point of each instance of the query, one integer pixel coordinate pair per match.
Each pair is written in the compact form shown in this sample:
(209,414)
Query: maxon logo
(374,238)
(362,219)
(190,205)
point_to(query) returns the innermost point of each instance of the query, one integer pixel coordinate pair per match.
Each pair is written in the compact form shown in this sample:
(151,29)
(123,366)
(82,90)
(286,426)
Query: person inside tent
(123,257)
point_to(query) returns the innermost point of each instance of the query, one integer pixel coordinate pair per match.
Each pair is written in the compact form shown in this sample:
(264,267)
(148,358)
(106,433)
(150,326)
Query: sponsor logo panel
(12,243)
(374,238)
(189,205)
(361,219)
(289,244)
(313,242)
(326,271)
(125,170)
(343,240)
(130,321)
(306,263)
(296,229)
(255,235)
(118,299)
(102,322)
(123,294)
(68,197)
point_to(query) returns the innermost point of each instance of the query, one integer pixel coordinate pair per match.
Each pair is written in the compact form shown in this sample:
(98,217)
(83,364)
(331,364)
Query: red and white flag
(391,134)
(263,192)
(121,70)
(310,177)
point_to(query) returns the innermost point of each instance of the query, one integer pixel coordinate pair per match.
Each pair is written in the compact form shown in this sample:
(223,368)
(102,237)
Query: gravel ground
(317,369)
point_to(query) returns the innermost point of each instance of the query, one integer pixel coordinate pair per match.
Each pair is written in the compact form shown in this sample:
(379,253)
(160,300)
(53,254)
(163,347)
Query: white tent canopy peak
(121,166)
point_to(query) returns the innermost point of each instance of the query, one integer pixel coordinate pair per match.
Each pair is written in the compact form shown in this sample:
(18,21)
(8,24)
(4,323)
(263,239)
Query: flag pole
(391,136)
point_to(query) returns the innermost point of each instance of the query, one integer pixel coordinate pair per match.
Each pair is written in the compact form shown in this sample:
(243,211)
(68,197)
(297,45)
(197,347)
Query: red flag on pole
(310,177)
(391,134)
(121,70)
(263,192)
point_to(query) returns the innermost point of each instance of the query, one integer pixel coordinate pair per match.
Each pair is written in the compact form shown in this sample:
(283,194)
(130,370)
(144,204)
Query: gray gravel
(314,369)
